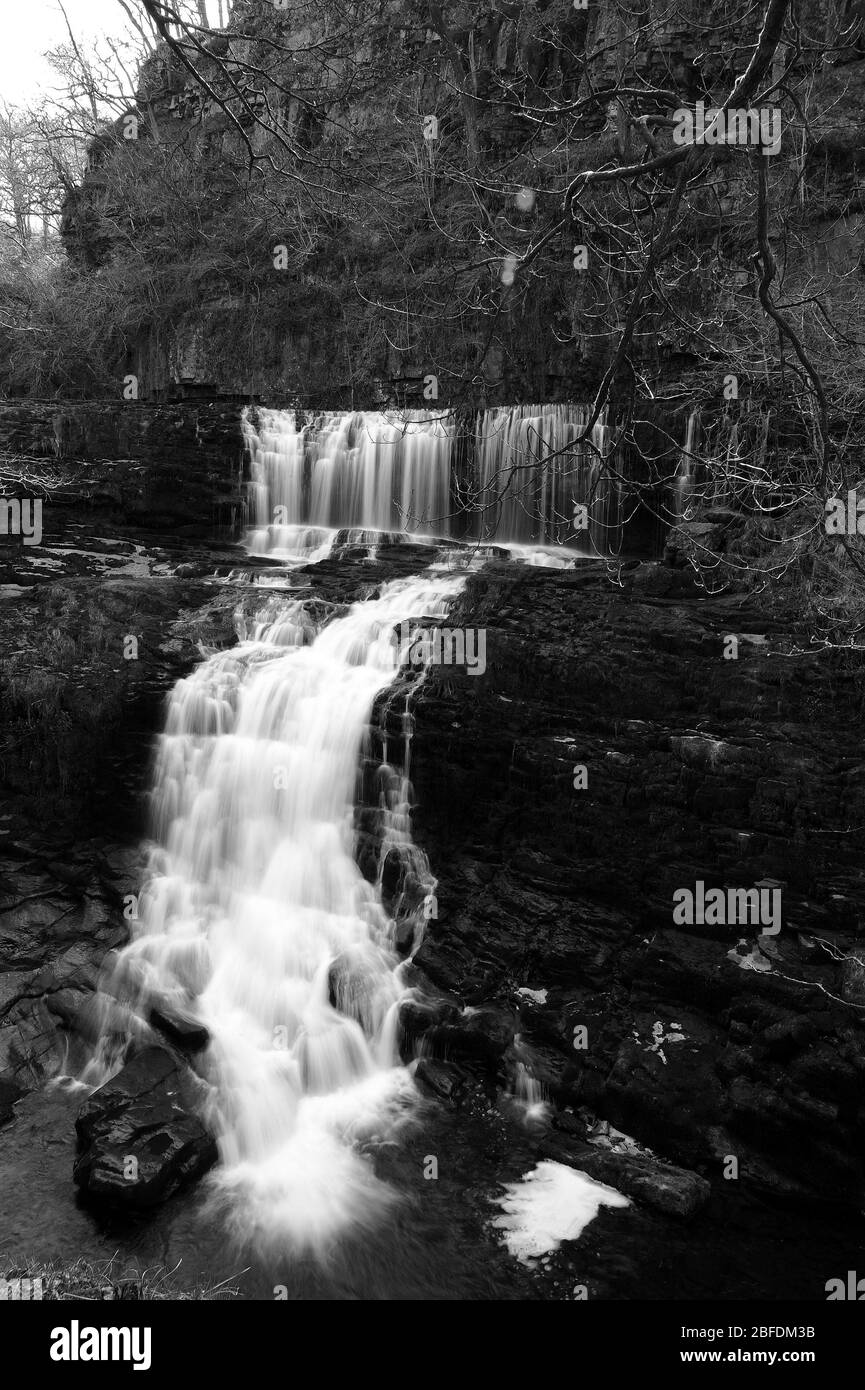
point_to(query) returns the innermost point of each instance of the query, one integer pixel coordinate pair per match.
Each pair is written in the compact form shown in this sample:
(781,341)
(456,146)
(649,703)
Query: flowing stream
(256,917)
(270,914)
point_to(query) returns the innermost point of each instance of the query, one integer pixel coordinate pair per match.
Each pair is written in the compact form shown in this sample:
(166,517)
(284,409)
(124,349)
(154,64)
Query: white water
(256,919)
(529,1093)
(551,1204)
(683,482)
(397,472)
(361,470)
(532,473)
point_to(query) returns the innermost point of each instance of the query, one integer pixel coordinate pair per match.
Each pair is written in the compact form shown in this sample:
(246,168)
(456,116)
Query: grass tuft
(105,1281)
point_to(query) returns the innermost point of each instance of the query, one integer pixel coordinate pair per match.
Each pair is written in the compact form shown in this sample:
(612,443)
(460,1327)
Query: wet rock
(67,1004)
(196,570)
(441,1079)
(391,874)
(91,658)
(30,1047)
(480,1036)
(829,1070)
(795,1134)
(404,936)
(167,464)
(547,1065)
(675,1191)
(183,1030)
(8,1096)
(719,773)
(140,1138)
(853,979)
(785,1039)
(353,982)
(56,923)
(417,1017)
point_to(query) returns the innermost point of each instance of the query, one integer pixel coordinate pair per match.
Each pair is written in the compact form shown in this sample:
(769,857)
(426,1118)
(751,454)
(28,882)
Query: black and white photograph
(432,671)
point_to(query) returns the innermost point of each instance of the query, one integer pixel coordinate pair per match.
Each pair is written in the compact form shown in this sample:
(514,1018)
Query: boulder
(9,1093)
(480,1036)
(670,1189)
(184,1031)
(141,1139)
(442,1079)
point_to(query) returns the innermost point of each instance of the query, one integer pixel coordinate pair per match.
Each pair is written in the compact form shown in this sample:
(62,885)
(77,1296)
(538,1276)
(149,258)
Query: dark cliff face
(702,1041)
(177,467)
(554,904)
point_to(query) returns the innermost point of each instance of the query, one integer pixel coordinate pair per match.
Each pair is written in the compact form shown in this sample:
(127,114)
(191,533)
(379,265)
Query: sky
(32,26)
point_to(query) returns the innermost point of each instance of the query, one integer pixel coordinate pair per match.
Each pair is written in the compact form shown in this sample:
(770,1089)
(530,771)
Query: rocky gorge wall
(553,909)
(177,466)
(699,767)
(554,904)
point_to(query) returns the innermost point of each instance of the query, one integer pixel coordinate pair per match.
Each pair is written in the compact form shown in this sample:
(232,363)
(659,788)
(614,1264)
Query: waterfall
(256,919)
(532,474)
(529,1094)
(683,481)
(394,471)
(355,470)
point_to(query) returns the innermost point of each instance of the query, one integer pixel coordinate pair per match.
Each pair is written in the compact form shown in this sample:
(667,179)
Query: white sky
(32,26)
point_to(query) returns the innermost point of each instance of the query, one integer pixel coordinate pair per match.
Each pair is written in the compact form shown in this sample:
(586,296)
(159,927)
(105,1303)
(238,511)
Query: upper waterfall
(518,475)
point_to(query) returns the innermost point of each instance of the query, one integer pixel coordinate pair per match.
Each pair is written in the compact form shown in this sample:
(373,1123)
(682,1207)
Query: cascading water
(529,1093)
(256,918)
(355,470)
(683,482)
(532,474)
(388,471)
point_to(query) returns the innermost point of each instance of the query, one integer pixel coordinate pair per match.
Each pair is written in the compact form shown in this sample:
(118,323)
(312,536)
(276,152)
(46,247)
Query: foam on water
(551,1204)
